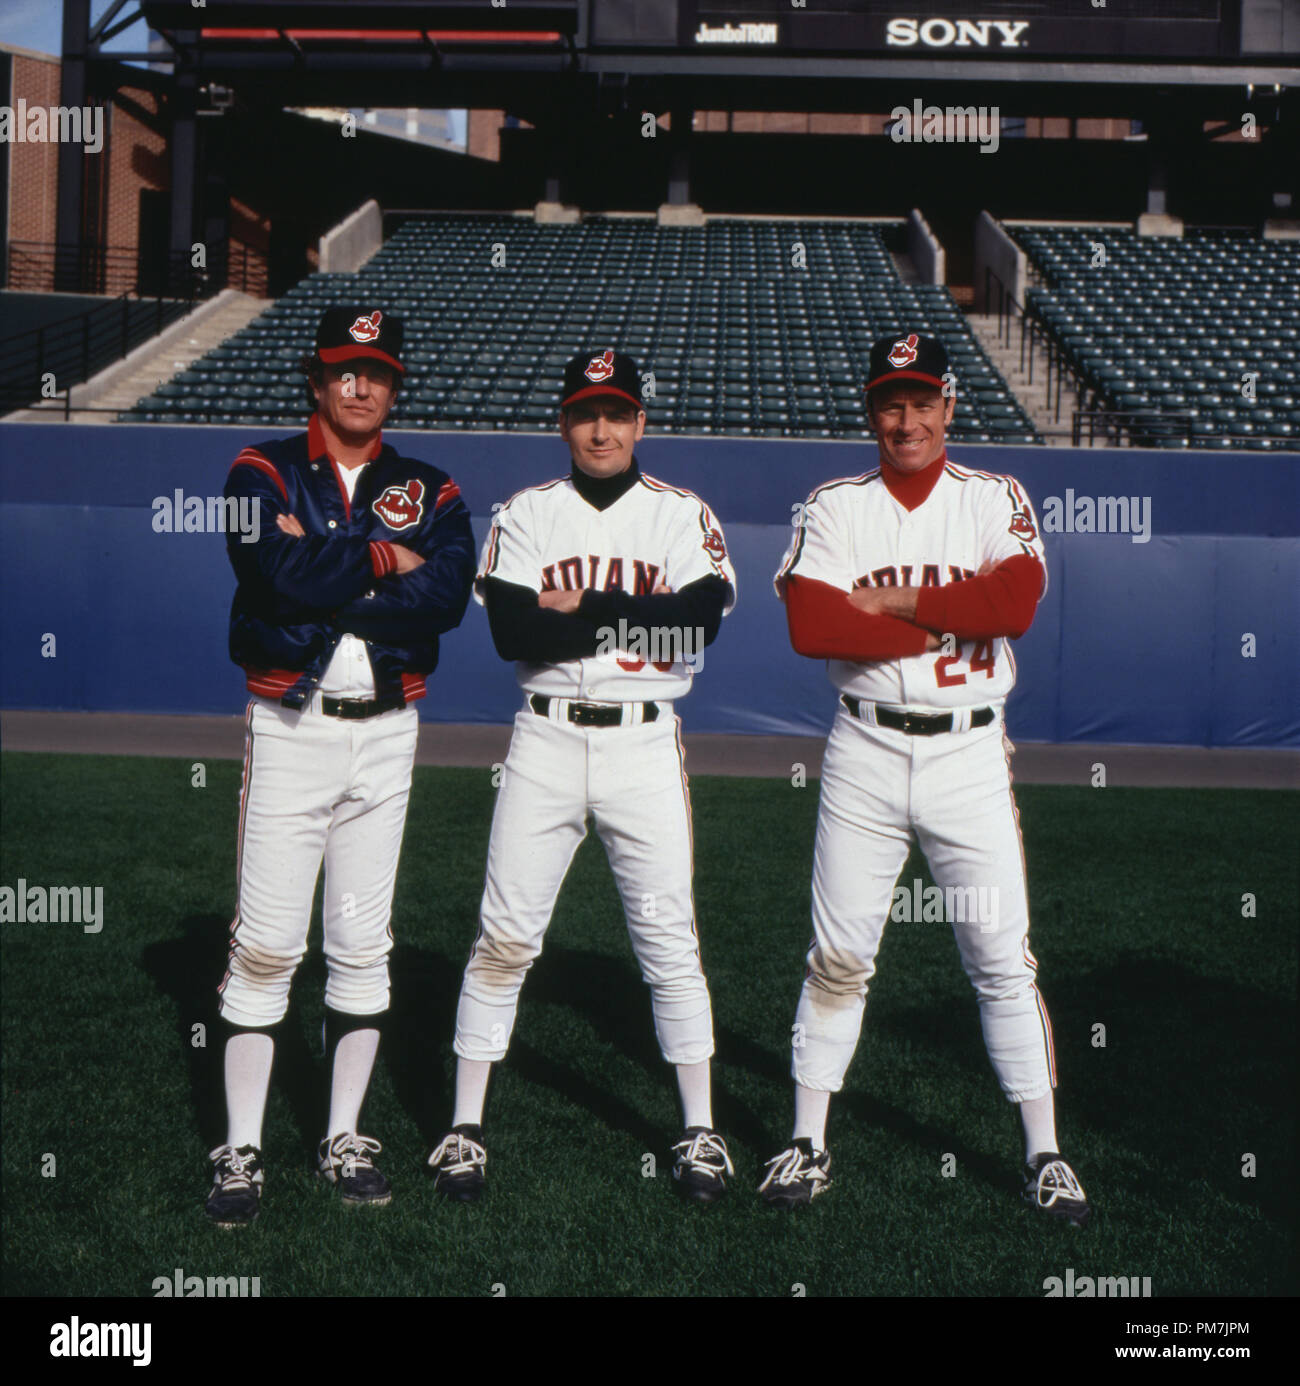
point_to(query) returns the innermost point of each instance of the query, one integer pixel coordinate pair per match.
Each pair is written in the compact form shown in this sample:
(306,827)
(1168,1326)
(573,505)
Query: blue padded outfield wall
(1134,642)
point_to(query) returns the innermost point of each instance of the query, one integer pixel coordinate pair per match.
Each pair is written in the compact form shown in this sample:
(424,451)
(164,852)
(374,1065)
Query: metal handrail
(77,347)
(1035,336)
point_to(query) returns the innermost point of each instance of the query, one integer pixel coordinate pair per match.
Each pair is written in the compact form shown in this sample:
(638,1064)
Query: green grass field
(1136,900)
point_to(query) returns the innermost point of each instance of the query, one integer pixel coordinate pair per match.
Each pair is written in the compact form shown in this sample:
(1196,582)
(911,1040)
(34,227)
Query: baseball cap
(344,333)
(601,373)
(907,357)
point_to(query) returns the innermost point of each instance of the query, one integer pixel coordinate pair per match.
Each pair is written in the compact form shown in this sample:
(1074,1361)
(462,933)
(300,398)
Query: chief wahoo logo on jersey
(400,507)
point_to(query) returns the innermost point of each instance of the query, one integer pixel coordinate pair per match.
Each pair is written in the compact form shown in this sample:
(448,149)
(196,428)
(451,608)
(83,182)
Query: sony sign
(954,33)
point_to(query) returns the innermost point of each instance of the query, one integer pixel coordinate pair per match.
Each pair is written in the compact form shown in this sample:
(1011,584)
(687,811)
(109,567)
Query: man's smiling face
(910,419)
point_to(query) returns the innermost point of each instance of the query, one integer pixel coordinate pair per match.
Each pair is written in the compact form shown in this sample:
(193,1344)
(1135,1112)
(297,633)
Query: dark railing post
(85,347)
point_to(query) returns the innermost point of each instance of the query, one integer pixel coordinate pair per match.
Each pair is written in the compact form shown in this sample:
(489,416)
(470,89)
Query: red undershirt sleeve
(824,626)
(1001,603)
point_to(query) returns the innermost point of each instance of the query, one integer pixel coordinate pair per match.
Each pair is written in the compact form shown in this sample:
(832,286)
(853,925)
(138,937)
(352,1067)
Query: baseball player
(910,580)
(364,557)
(603,586)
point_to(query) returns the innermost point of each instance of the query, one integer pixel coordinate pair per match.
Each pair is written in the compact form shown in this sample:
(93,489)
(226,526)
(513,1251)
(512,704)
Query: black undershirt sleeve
(523,630)
(535,634)
(698,606)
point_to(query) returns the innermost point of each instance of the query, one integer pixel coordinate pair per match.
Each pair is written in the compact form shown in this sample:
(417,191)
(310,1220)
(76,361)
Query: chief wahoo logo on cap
(904,353)
(601,367)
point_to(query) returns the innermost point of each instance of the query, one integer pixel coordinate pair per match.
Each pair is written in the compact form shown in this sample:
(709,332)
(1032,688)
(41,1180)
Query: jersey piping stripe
(1013,491)
(865,479)
(523,491)
(494,541)
(654,484)
(494,538)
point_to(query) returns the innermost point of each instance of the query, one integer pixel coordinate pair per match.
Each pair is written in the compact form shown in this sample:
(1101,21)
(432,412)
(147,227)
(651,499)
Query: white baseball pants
(317,788)
(632,782)
(952,790)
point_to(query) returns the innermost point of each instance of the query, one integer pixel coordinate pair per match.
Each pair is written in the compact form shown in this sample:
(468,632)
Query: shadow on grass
(189,969)
(610,996)
(1194,1074)
(418,1032)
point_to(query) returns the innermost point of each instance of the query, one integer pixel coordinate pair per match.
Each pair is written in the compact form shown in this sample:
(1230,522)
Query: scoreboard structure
(1186,69)
(1023,28)
(1061,57)
(715,35)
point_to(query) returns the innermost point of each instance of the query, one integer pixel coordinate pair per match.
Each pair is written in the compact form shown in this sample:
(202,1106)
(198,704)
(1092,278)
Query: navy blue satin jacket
(297,596)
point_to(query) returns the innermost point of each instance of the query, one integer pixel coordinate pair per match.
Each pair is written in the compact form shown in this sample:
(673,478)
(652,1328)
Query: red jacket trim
(250,457)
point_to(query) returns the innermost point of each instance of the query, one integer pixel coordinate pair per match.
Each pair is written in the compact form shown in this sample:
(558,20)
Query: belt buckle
(913,725)
(584,714)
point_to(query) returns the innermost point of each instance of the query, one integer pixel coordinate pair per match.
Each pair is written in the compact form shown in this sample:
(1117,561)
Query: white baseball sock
(248,1075)
(697,1103)
(354,1058)
(471,1091)
(1038,1116)
(810,1108)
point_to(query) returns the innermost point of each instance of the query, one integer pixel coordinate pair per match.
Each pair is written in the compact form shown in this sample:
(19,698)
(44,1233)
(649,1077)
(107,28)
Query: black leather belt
(916,723)
(355,709)
(592,714)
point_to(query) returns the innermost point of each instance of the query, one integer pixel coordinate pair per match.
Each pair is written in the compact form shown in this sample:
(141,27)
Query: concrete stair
(122,384)
(1005,355)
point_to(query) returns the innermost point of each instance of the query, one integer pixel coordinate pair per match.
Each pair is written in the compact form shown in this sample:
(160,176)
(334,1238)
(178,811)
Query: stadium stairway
(152,363)
(1005,356)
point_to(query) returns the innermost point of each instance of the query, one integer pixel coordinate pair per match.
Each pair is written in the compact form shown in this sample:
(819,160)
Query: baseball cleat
(701,1164)
(1053,1188)
(796,1176)
(458,1164)
(237,1179)
(346,1160)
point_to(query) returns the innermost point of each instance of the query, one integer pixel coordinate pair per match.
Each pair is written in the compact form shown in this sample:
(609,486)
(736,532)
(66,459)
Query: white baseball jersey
(854,533)
(549,538)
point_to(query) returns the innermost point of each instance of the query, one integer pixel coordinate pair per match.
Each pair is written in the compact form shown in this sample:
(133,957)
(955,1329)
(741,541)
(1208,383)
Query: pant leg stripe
(239,837)
(1047,1036)
(690,822)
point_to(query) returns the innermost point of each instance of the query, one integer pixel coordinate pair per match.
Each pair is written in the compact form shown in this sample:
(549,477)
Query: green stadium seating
(1173,324)
(750,327)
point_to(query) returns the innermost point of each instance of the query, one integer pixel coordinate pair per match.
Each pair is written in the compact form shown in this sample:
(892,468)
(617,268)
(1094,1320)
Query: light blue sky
(38,24)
